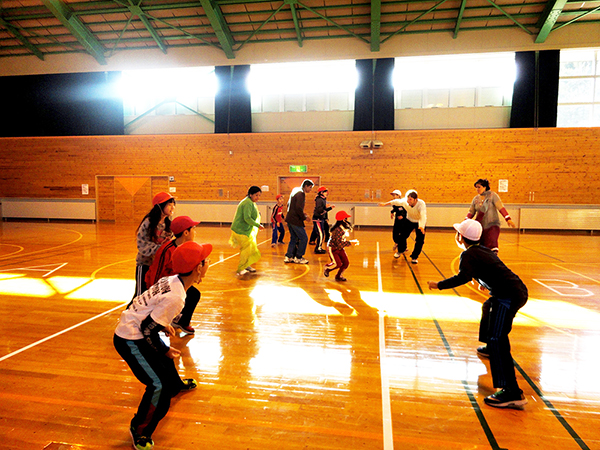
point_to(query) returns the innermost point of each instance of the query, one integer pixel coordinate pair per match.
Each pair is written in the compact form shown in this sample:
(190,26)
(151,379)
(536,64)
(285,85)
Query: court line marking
(47,338)
(577,273)
(50,248)
(386,406)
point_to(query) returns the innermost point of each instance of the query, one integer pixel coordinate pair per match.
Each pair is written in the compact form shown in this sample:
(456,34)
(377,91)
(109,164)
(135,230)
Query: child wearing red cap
(137,341)
(337,244)
(320,220)
(184,229)
(153,231)
(277,221)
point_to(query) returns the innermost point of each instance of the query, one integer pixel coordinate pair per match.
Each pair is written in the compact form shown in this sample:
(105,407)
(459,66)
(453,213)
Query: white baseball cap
(470,229)
(397,192)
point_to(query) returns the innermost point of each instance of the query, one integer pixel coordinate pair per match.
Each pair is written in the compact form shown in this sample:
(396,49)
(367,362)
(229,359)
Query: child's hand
(173,353)
(355,241)
(432,285)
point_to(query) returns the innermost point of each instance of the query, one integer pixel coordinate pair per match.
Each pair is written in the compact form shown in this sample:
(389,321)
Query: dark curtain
(374,97)
(73,104)
(232,101)
(535,95)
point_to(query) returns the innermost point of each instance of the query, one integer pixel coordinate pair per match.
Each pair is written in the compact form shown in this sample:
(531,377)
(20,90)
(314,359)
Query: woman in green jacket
(244,229)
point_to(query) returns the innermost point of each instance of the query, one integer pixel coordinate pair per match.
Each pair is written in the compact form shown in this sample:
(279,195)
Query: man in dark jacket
(295,219)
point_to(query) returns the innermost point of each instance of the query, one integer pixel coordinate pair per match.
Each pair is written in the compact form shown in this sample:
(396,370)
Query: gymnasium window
(454,81)
(164,92)
(303,86)
(579,88)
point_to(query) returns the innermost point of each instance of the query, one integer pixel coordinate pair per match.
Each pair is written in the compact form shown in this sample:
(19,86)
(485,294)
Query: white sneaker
(301,260)
(241,273)
(414,261)
(250,269)
(396,255)
(288,260)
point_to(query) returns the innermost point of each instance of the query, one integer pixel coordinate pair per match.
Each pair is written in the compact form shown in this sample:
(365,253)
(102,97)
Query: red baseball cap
(161,197)
(322,188)
(181,224)
(341,215)
(188,255)
(278,196)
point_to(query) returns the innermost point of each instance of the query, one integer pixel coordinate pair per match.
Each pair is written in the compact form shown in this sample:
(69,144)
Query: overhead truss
(101,28)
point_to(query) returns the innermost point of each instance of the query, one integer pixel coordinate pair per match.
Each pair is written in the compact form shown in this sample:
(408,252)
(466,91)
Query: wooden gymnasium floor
(288,359)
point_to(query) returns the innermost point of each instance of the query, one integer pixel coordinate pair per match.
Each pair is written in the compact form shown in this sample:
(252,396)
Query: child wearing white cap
(508,294)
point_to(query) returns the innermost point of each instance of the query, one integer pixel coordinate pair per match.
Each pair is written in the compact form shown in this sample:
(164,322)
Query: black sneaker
(189,384)
(483,352)
(326,273)
(506,398)
(320,251)
(140,442)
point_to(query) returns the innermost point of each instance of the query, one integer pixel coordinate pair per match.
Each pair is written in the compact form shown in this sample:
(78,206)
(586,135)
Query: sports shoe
(326,273)
(140,442)
(340,279)
(189,384)
(273,245)
(301,260)
(396,255)
(320,252)
(250,269)
(241,273)
(414,261)
(312,243)
(506,398)
(288,260)
(184,329)
(483,351)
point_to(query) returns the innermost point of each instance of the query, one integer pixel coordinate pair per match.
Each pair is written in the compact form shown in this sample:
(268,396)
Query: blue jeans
(277,229)
(298,241)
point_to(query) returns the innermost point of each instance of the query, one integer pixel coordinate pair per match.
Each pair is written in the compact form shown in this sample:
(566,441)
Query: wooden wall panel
(559,165)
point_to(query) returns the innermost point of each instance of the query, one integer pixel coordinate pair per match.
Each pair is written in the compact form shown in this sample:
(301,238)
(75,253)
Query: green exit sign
(297,169)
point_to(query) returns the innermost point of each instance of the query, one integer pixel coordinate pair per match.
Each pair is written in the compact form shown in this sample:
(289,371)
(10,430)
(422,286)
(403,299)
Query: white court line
(386,406)
(16,352)
(41,341)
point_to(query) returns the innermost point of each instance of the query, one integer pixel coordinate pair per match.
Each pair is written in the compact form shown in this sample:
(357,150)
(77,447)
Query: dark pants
(407,228)
(489,237)
(298,241)
(158,373)
(321,232)
(191,300)
(340,259)
(397,232)
(140,279)
(278,228)
(495,329)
